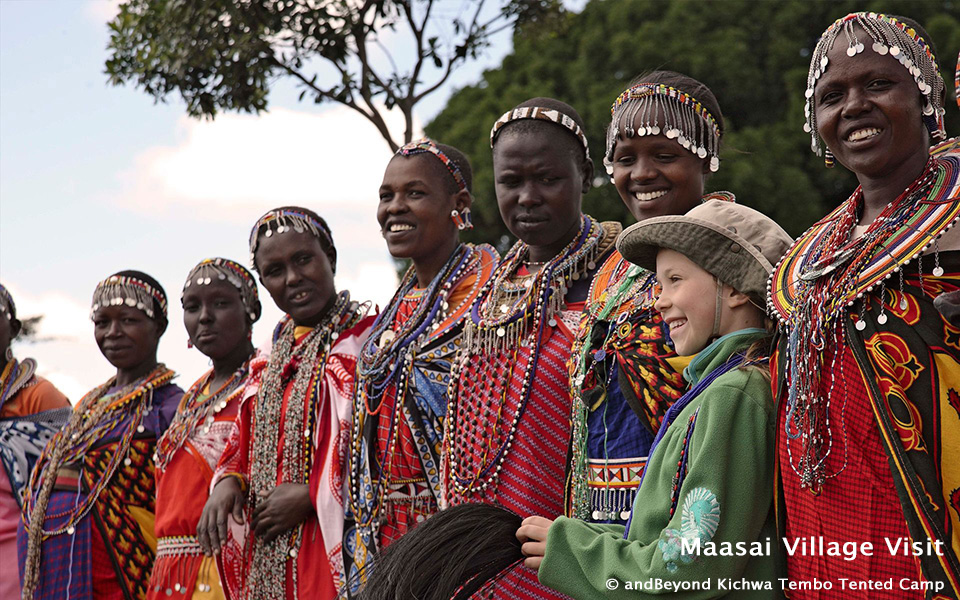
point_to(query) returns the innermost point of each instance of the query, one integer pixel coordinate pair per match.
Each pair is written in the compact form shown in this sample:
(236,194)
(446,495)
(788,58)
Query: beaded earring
(828,159)
(189,343)
(462,219)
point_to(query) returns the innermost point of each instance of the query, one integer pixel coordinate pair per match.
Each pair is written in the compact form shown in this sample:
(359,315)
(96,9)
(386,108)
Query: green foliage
(225,54)
(754,56)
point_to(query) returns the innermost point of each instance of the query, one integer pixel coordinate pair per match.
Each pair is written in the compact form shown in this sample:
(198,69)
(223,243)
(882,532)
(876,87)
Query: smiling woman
(862,302)
(89,508)
(404,367)
(279,478)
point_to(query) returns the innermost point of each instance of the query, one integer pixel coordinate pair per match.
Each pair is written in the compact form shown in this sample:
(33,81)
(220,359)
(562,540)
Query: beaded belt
(613,486)
(180,545)
(409,490)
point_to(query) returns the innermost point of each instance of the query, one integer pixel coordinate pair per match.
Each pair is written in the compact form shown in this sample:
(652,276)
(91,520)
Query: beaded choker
(655,109)
(118,290)
(510,306)
(427,145)
(890,36)
(825,275)
(192,413)
(97,414)
(543,114)
(305,363)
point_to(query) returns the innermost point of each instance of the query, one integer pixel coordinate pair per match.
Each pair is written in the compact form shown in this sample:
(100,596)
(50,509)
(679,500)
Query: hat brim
(715,249)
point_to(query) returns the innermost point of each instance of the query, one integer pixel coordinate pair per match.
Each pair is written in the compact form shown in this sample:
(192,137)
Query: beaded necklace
(506,317)
(16,375)
(194,412)
(96,415)
(387,358)
(832,274)
(511,306)
(305,363)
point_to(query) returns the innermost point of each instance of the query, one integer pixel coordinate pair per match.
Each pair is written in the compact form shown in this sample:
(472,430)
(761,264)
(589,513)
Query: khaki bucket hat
(733,242)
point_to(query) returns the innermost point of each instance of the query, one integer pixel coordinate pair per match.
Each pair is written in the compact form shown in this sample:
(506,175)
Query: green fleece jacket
(725,499)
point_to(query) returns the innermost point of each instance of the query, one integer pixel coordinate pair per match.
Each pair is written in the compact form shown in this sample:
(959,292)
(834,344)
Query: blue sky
(96,178)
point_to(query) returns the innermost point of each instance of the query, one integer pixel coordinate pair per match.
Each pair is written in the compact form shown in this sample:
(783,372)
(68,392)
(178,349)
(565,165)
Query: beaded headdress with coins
(888,35)
(7,307)
(209,270)
(118,290)
(283,220)
(649,108)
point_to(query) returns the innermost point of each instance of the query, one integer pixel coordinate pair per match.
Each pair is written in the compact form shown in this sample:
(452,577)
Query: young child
(709,480)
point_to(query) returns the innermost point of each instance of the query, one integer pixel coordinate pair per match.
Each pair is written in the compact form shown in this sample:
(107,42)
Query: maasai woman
(31,412)
(508,423)
(662,143)
(395,471)
(868,368)
(280,475)
(89,512)
(220,306)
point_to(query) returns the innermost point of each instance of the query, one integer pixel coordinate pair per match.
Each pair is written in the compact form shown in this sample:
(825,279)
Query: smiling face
(869,113)
(656,176)
(298,274)
(687,301)
(215,318)
(415,206)
(126,336)
(539,184)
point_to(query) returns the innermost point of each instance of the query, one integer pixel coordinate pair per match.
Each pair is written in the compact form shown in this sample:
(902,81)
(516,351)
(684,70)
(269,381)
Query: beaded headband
(683,117)
(223,269)
(890,36)
(283,220)
(427,145)
(6,303)
(118,290)
(543,114)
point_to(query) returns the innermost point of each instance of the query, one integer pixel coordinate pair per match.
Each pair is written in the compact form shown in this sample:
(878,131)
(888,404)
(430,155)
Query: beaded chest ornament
(657,109)
(304,363)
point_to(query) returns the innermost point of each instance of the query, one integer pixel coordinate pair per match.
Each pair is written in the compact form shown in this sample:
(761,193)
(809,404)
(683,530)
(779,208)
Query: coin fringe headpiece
(889,36)
(284,220)
(540,113)
(6,304)
(119,290)
(209,270)
(663,109)
(425,145)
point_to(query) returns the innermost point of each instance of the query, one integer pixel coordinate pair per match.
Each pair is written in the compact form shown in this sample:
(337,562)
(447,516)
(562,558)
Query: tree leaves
(754,57)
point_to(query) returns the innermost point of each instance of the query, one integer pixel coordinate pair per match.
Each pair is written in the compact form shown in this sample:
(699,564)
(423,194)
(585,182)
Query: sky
(95,179)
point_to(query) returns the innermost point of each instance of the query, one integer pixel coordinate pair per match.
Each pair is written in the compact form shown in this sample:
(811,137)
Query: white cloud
(327,159)
(102,11)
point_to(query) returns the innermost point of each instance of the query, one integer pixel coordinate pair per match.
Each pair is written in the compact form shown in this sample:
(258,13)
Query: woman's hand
(227,497)
(533,537)
(282,508)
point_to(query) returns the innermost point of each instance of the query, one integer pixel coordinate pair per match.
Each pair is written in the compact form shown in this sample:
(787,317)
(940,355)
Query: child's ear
(733,298)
